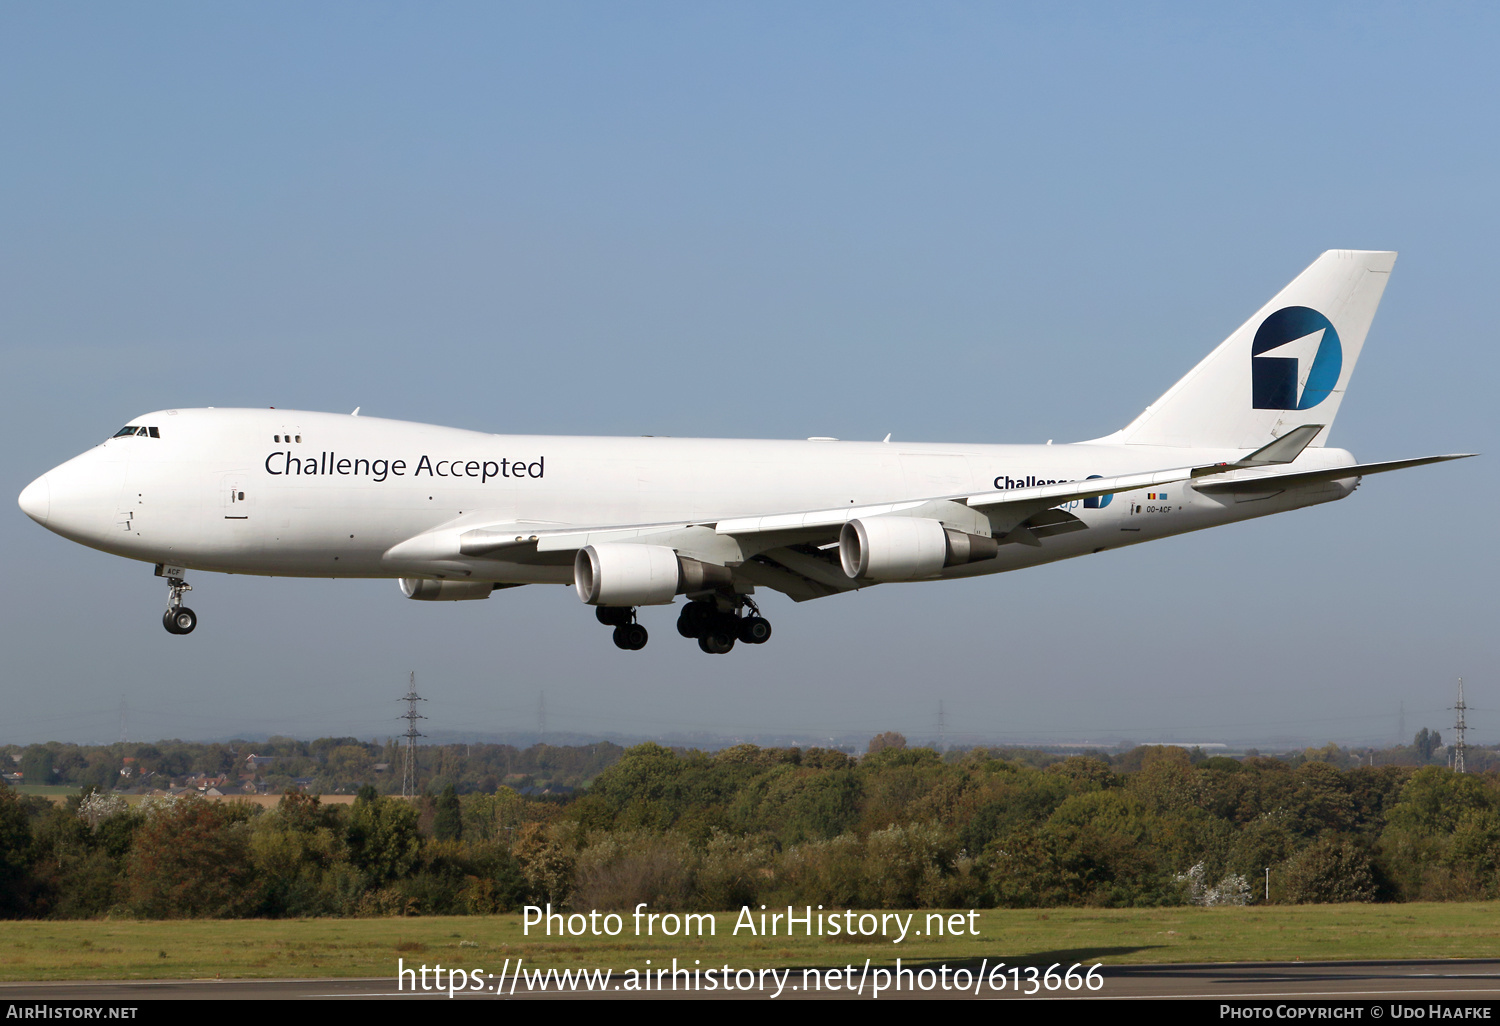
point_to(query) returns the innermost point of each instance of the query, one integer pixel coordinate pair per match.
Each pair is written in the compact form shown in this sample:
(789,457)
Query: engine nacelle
(623,574)
(445,591)
(614,574)
(907,548)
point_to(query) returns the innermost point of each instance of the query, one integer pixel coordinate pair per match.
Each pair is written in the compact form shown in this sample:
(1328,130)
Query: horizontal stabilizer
(1284,450)
(1263,482)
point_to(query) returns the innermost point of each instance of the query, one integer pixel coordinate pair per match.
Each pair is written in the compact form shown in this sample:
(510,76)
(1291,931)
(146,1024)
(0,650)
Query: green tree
(1320,800)
(889,739)
(1167,782)
(1435,798)
(447,820)
(1426,742)
(192,860)
(1329,870)
(15,852)
(300,858)
(546,864)
(1090,774)
(36,765)
(349,764)
(383,840)
(1096,849)
(652,787)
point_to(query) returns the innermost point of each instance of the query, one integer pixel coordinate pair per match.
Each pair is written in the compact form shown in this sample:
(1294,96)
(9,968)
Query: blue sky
(951,222)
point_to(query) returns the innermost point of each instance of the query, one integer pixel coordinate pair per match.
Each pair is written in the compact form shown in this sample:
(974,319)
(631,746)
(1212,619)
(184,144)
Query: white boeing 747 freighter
(632,522)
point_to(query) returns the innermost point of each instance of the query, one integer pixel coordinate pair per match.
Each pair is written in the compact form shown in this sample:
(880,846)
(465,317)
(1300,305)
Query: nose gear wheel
(178,619)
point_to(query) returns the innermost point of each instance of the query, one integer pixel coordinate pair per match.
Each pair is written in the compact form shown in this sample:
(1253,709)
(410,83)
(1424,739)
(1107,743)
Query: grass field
(192,949)
(54,791)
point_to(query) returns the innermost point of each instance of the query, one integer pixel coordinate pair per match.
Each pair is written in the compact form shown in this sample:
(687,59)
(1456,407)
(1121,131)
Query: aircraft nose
(36,500)
(78,499)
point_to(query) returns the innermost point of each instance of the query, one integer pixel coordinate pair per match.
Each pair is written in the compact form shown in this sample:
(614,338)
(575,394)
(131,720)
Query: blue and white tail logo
(1300,364)
(1295,360)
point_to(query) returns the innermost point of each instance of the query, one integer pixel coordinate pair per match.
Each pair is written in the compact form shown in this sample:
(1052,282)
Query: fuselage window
(129,429)
(299,438)
(278,439)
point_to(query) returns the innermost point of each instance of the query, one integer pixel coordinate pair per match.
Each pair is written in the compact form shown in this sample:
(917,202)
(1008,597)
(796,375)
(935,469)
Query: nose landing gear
(178,619)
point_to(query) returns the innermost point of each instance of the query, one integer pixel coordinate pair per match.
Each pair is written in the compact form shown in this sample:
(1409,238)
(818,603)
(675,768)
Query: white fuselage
(323,495)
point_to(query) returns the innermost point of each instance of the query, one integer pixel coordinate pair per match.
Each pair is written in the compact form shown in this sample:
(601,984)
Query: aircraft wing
(511,540)
(796,553)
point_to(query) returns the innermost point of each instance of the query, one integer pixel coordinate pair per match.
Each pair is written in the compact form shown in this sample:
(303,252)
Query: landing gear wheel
(614,616)
(755,630)
(178,619)
(181,620)
(716,642)
(696,619)
(631,636)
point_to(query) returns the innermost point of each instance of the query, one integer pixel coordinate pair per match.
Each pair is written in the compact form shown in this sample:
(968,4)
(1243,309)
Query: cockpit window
(129,429)
(135,429)
(154,433)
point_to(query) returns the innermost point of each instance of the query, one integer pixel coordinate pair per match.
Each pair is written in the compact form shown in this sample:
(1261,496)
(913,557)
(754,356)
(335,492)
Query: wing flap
(1022,501)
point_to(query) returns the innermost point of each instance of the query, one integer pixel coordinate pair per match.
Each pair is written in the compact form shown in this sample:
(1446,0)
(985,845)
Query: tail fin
(1287,366)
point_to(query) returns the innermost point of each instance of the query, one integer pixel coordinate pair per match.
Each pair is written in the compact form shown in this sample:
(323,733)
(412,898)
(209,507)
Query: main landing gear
(178,619)
(716,623)
(718,629)
(629,635)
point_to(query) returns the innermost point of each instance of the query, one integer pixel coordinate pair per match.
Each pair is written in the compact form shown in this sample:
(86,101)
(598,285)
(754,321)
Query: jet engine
(907,548)
(445,591)
(623,574)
